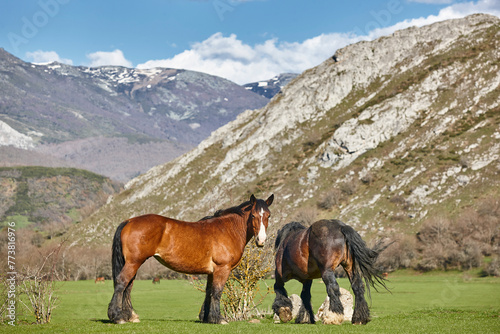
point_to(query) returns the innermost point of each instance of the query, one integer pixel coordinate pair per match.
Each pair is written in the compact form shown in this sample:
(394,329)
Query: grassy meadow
(438,302)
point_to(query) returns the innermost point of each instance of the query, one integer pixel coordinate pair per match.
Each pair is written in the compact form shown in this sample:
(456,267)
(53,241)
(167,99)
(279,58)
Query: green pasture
(419,303)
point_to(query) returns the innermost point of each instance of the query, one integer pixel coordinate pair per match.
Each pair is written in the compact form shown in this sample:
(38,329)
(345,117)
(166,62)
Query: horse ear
(270,200)
(252,199)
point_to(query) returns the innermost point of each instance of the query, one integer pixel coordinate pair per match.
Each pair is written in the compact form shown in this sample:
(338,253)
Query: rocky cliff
(382,135)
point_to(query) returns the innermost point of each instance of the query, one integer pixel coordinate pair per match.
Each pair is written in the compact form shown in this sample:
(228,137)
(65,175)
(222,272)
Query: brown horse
(308,253)
(156,280)
(212,246)
(99,279)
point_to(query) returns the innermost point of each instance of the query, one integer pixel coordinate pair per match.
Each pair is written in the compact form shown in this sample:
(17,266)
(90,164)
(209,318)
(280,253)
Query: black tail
(364,258)
(117,260)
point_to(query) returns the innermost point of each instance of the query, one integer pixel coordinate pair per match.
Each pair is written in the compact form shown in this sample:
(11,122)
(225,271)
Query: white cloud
(102,58)
(242,63)
(230,58)
(45,57)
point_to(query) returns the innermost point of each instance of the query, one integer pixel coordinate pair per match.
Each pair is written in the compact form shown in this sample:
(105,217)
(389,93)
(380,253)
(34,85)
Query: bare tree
(38,284)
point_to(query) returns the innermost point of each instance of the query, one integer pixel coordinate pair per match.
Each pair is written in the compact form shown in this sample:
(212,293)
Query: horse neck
(241,227)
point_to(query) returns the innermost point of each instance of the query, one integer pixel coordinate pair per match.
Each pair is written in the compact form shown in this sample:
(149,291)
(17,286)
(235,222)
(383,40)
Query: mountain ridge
(49,107)
(392,131)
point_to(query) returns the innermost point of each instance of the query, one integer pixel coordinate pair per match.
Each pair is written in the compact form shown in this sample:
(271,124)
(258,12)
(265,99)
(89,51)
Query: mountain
(271,87)
(50,199)
(98,118)
(383,135)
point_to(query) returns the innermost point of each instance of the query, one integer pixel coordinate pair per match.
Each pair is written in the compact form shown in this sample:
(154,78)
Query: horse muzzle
(260,238)
(259,243)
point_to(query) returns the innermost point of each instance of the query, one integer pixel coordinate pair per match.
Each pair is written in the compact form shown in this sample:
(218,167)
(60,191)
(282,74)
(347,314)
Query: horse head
(259,218)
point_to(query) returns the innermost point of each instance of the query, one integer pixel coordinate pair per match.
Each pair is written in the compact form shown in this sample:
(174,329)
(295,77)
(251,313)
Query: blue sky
(244,40)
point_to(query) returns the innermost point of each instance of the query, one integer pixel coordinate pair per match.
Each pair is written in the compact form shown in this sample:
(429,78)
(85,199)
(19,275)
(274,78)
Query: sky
(241,40)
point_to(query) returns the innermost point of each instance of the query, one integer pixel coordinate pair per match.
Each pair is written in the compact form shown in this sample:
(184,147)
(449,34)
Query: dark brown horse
(212,246)
(308,253)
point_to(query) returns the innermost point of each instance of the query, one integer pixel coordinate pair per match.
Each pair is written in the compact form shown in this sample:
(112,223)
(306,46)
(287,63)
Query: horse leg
(221,274)
(215,286)
(282,305)
(127,302)
(116,310)
(306,314)
(205,308)
(361,314)
(335,314)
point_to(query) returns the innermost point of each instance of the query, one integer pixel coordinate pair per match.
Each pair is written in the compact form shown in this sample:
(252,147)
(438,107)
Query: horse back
(141,236)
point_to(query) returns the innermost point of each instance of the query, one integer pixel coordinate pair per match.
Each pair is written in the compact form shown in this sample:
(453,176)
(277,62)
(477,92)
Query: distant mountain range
(269,88)
(115,121)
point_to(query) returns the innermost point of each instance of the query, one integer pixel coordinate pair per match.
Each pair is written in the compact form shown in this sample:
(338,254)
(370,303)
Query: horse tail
(364,258)
(117,259)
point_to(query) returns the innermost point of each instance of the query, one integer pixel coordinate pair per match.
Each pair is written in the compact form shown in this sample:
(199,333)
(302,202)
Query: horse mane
(285,231)
(239,210)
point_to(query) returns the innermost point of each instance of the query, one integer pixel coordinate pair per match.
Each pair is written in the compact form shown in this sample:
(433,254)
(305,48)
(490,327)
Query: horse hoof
(120,322)
(134,318)
(224,322)
(332,318)
(285,314)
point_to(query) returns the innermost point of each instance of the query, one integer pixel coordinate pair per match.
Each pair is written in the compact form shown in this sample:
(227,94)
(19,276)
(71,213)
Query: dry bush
(349,188)
(493,268)
(399,255)
(434,231)
(471,226)
(242,293)
(436,245)
(85,262)
(38,284)
(470,255)
(460,244)
(489,207)
(398,217)
(398,200)
(330,199)
(306,216)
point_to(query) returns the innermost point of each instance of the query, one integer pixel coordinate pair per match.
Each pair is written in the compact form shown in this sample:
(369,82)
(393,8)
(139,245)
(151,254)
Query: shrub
(349,188)
(401,254)
(460,243)
(493,268)
(330,199)
(38,284)
(242,293)
(306,216)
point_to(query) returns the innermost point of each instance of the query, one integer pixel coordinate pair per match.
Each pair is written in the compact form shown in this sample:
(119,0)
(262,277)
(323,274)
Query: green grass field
(419,303)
